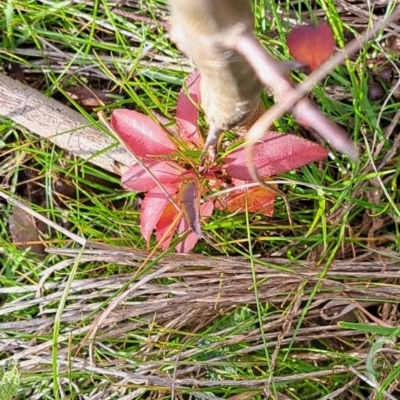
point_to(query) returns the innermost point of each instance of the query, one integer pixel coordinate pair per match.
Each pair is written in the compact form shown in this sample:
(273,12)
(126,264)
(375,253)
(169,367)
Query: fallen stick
(63,126)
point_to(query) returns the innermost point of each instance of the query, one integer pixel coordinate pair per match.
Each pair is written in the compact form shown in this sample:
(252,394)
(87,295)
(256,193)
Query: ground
(262,307)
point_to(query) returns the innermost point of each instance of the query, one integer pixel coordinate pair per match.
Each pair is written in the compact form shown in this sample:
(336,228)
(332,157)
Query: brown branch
(49,119)
(218,36)
(293,99)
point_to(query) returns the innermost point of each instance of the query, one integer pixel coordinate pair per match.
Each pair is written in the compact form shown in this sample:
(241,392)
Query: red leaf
(164,223)
(277,153)
(189,196)
(206,209)
(187,111)
(259,200)
(141,134)
(138,180)
(311,45)
(153,207)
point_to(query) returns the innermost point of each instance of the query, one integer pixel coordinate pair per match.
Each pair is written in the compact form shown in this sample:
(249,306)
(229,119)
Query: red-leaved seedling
(311,45)
(186,186)
(259,199)
(145,136)
(187,109)
(275,154)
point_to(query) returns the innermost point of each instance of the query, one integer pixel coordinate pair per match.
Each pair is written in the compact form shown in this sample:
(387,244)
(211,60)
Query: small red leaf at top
(311,45)
(138,180)
(277,153)
(206,209)
(187,111)
(153,207)
(141,134)
(259,200)
(189,196)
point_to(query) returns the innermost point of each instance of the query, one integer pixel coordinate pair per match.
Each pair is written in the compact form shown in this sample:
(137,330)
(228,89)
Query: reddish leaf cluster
(275,154)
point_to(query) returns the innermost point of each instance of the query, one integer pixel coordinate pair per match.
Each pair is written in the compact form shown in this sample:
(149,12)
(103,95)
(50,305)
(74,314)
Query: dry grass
(179,297)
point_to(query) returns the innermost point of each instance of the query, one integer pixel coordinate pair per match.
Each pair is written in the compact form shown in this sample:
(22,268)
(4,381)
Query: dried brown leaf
(88,97)
(24,232)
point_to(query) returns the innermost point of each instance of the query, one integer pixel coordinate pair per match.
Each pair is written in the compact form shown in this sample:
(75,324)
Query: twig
(63,126)
(269,73)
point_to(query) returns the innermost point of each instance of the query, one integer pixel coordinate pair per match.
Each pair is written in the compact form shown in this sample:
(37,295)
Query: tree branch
(49,119)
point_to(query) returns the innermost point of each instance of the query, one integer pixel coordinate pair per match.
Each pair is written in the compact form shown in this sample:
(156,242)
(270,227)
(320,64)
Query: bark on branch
(65,127)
